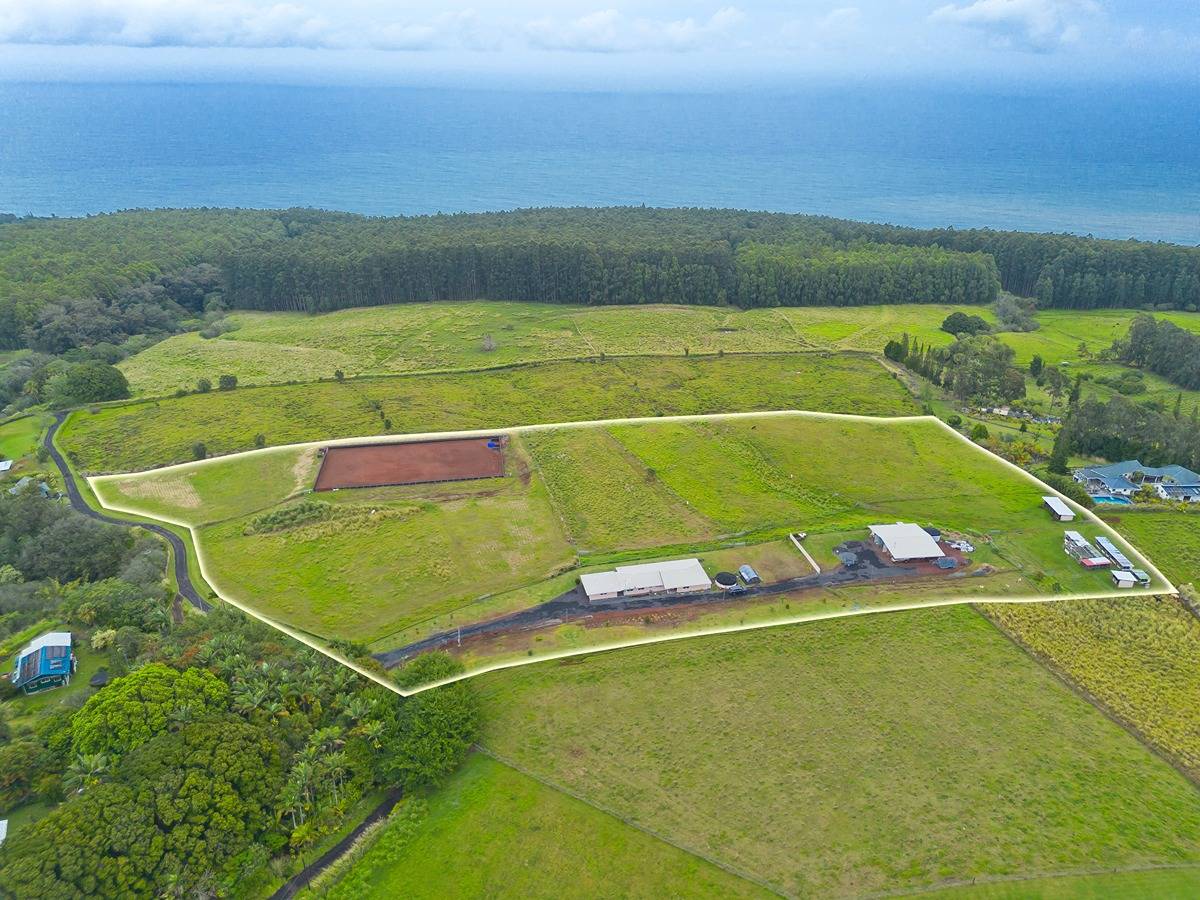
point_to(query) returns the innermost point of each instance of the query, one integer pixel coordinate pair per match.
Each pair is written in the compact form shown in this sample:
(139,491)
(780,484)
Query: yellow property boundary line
(95,480)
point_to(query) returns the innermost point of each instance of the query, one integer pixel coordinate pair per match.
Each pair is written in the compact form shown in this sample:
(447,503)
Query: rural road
(573,605)
(299,881)
(179,550)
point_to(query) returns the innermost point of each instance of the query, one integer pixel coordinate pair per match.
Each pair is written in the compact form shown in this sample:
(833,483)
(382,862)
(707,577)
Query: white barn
(679,576)
(903,541)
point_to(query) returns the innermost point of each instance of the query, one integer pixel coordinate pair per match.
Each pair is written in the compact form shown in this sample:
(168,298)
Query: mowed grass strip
(492,832)
(143,435)
(607,499)
(848,757)
(375,563)
(1137,884)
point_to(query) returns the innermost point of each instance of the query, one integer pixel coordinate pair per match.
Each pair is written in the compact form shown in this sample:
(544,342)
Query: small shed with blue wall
(47,662)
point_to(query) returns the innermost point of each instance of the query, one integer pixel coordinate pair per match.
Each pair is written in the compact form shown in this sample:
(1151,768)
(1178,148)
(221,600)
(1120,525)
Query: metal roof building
(1113,552)
(1058,509)
(906,541)
(679,576)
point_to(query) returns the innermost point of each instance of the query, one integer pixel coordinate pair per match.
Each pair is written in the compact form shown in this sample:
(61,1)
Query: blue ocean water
(1111,163)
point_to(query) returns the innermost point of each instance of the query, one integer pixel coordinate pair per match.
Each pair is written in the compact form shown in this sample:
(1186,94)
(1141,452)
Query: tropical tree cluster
(219,750)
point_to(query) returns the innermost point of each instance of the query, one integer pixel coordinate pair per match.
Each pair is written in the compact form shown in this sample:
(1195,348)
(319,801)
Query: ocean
(1107,162)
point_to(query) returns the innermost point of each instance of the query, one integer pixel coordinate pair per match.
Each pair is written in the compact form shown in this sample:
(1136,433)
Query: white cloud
(1036,25)
(610,31)
(841,19)
(225,23)
(159,23)
(836,29)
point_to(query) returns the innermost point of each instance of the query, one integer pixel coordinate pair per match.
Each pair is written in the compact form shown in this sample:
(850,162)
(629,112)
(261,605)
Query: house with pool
(1118,482)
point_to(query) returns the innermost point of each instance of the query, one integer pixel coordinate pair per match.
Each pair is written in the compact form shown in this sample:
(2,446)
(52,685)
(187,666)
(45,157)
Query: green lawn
(386,559)
(849,757)
(493,832)
(142,435)
(207,493)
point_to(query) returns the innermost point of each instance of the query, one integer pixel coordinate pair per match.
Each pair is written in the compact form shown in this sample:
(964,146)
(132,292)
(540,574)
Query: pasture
(491,831)
(420,337)
(849,757)
(154,433)
(390,565)
(271,348)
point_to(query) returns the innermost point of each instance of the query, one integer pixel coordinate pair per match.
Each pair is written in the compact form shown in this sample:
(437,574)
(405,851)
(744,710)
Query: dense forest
(313,260)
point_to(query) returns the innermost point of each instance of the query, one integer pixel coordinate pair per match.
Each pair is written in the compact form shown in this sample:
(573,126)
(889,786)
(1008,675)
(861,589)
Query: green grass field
(1144,884)
(271,348)
(849,757)
(142,435)
(391,565)
(493,832)
(417,337)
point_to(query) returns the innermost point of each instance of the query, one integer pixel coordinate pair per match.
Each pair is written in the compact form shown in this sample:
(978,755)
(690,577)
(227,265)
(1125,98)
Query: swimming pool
(1120,501)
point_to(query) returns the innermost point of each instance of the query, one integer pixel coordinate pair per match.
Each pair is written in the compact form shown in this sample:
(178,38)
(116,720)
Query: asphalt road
(179,550)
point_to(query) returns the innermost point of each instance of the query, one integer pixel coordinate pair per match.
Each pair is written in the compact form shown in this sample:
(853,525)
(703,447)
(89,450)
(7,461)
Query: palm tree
(249,696)
(87,770)
(372,730)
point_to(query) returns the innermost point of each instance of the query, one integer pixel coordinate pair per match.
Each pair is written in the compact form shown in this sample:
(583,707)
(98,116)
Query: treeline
(1065,271)
(314,260)
(1162,347)
(866,274)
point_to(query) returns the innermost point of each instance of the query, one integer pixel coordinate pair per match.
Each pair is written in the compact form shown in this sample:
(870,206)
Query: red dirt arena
(419,462)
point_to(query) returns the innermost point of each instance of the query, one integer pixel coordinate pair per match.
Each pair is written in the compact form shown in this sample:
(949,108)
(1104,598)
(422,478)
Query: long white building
(678,576)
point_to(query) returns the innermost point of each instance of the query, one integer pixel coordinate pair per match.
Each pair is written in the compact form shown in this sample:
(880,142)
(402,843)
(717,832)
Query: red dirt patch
(417,462)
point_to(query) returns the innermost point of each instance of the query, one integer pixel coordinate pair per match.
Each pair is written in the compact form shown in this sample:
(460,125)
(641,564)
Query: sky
(602,43)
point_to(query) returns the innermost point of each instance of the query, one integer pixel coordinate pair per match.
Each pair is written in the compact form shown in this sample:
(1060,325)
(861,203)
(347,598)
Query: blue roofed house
(1124,479)
(47,662)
